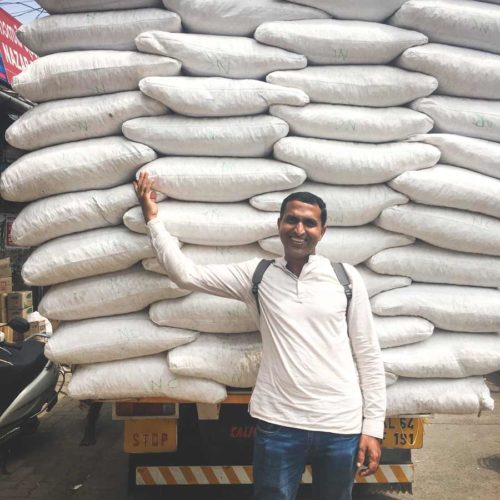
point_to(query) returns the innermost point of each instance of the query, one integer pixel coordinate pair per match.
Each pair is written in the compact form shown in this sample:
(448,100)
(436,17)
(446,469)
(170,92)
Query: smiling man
(320,391)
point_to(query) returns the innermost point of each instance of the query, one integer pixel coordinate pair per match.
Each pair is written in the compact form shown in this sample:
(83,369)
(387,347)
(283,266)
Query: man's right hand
(146,196)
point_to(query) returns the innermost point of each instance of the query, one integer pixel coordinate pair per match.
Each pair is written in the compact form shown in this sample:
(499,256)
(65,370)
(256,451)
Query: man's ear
(279,222)
(323,230)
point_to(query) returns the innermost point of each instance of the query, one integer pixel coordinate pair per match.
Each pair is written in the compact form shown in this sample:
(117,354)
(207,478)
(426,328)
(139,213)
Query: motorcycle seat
(27,363)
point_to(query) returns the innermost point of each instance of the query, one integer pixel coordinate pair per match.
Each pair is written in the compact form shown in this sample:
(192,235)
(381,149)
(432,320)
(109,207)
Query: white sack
(468,152)
(77,166)
(444,227)
(213,255)
(394,331)
(329,41)
(220,179)
(453,187)
(377,86)
(85,254)
(346,205)
(369,10)
(377,283)
(112,338)
(469,117)
(457,22)
(211,55)
(246,136)
(76,119)
(236,17)
(214,224)
(231,360)
(460,72)
(446,355)
(353,123)
(207,97)
(428,264)
(417,396)
(450,307)
(114,30)
(64,6)
(146,376)
(336,162)
(68,213)
(89,72)
(120,292)
(347,244)
(205,313)
(390,379)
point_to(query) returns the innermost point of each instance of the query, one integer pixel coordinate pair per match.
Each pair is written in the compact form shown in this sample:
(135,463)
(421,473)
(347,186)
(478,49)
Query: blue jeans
(281,454)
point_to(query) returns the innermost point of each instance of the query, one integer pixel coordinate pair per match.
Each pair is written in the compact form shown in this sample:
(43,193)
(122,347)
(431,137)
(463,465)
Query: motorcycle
(28,384)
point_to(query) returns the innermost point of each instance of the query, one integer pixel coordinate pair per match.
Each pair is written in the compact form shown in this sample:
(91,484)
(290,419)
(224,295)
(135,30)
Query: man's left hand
(369,447)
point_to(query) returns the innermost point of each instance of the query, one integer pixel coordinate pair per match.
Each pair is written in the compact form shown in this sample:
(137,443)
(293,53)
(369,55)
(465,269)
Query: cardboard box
(19,313)
(20,300)
(3,307)
(11,336)
(5,269)
(5,285)
(36,327)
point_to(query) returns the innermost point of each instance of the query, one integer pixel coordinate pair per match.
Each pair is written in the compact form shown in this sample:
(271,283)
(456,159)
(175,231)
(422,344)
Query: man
(320,391)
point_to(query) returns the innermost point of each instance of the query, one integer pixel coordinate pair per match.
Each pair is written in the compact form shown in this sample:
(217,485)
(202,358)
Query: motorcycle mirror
(19,324)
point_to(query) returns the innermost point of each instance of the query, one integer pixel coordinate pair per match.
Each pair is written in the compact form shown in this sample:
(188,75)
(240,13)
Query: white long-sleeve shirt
(308,378)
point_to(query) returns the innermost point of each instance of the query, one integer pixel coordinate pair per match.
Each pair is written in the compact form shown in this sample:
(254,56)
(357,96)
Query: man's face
(300,229)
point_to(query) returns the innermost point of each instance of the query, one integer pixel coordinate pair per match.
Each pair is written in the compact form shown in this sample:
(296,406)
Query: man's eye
(310,223)
(291,220)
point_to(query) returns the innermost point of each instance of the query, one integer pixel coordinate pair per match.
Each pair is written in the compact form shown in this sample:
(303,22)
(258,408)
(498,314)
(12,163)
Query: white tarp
(346,205)
(85,254)
(115,337)
(205,313)
(211,55)
(146,376)
(214,96)
(337,162)
(120,292)
(76,166)
(353,123)
(449,307)
(220,179)
(429,264)
(348,244)
(215,224)
(330,41)
(242,136)
(70,120)
(231,360)
(358,85)
(444,227)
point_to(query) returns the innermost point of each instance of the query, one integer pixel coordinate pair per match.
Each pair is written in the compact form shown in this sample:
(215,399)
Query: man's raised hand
(146,196)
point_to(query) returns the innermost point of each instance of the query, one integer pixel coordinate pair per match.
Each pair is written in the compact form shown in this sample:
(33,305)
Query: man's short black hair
(305,197)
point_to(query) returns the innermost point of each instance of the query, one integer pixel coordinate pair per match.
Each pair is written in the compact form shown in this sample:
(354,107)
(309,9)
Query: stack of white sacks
(390,111)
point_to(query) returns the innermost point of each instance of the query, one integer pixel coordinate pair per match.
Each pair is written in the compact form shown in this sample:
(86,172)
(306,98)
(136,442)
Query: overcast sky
(25,11)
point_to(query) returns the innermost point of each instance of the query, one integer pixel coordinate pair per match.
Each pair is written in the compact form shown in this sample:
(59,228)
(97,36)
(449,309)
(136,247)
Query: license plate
(155,435)
(403,433)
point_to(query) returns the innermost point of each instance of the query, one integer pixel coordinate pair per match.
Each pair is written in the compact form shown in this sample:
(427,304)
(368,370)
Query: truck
(183,443)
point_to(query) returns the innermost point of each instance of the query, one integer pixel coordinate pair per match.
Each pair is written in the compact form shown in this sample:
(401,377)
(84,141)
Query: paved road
(460,461)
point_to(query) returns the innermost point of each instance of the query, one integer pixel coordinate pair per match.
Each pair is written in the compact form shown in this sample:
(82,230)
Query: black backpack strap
(341,273)
(257,278)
